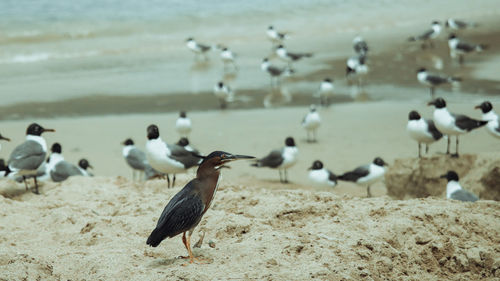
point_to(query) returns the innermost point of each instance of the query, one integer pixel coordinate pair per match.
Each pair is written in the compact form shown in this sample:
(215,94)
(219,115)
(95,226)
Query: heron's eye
(223,156)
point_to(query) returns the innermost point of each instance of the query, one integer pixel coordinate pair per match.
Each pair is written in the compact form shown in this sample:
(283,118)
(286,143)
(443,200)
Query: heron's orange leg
(187,243)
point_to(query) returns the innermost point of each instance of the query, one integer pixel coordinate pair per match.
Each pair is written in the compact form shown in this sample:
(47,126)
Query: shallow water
(57,49)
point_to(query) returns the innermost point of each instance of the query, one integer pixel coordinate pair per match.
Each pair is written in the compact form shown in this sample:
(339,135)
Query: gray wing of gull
(27,156)
(436,134)
(275,71)
(204,47)
(426,35)
(136,159)
(332,176)
(436,80)
(186,157)
(464,195)
(356,174)
(64,170)
(466,123)
(466,47)
(272,160)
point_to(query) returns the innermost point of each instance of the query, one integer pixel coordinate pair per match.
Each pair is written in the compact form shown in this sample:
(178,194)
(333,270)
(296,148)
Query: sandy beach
(258,228)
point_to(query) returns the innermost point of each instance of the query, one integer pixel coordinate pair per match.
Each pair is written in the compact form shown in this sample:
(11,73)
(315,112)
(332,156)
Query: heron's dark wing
(27,156)
(272,160)
(186,157)
(182,213)
(356,174)
(464,195)
(436,134)
(64,170)
(136,159)
(466,123)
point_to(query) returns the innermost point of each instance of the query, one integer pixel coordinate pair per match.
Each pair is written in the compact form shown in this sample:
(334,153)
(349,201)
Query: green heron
(185,210)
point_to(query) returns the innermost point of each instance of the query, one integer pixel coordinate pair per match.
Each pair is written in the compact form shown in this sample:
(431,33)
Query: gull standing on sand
(311,123)
(432,80)
(422,130)
(224,94)
(84,167)
(168,158)
(458,24)
(28,156)
(360,46)
(455,191)
(228,58)
(274,71)
(290,57)
(136,159)
(490,116)
(366,174)
(183,125)
(275,36)
(452,124)
(281,159)
(3,138)
(356,68)
(459,48)
(429,35)
(320,176)
(59,169)
(198,48)
(326,90)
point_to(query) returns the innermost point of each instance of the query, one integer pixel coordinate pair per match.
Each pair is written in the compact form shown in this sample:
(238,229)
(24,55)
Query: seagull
(455,191)
(366,174)
(275,36)
(490,116)
(3,138)
(28,156)
(432,80)
(228,58)
(274,71)
(168,158)
(356,67)
(326,89)
(224,93)
(321,176)
(458,24)
(184,142)
(136,159)
(359,45)
(59,169)
(290,57)
(460,48)
(280,159)
(452,124)
(422,130)
(311,123)
(84,165)
(183,124)
(428,35)
(198,48)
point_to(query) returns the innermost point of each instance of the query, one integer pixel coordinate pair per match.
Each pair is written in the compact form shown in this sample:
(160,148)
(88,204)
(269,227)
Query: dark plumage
(185,210)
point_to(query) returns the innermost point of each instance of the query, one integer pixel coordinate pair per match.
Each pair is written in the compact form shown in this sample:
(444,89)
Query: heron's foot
(194,260)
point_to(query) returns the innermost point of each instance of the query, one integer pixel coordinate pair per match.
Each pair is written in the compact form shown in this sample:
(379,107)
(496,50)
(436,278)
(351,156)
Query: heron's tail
(155,238)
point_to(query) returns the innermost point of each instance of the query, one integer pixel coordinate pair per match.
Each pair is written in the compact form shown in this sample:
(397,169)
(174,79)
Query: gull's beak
(48,130)
(310,168)
(477,107)
(385,164)
(443,176)
(90,166)
(4,138)
(431,103)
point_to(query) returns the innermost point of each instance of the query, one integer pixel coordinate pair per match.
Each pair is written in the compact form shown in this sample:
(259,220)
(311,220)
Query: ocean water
(57,49)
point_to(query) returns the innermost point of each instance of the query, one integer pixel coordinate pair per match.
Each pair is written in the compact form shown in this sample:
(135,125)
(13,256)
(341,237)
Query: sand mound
(418,178)
(97,228)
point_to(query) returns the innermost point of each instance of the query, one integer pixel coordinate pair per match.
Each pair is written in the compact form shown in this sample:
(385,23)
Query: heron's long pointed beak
(240,157)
